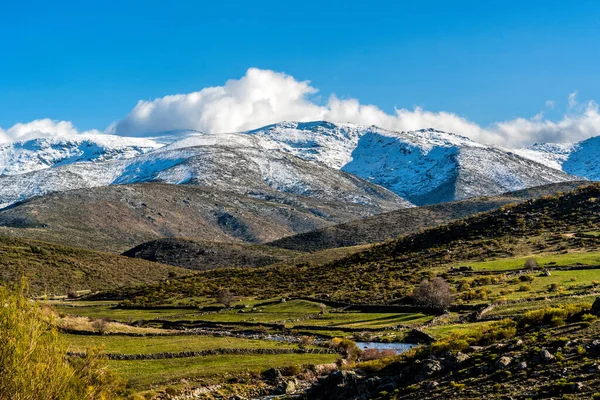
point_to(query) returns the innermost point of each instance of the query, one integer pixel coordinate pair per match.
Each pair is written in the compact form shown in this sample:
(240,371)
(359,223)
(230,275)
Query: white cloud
(263,97)
(572,100)
(571,128)
(38,128)
(259,98)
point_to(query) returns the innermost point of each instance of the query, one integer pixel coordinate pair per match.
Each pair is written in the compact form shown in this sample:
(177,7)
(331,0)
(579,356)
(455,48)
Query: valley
(295,261)
(521,276)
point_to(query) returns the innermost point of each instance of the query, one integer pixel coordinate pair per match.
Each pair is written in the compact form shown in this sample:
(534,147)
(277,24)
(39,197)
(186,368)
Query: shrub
(531,263)
(291,370)
(374,354)
(225,297)
(554,287)
(434,294)
(588,317)
(101,325)
(484,335)
(33,357)
(551,315)
(347,347)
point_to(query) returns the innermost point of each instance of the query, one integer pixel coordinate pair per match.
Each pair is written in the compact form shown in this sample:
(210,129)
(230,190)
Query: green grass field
(568,259)
(143,374)
(120,314)
(367,320)
(160,344)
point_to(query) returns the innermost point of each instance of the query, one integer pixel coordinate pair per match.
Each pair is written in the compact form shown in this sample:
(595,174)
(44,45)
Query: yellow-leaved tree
(34,364)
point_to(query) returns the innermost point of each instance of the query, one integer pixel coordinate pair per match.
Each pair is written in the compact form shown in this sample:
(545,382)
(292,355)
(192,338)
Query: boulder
(596,307)
(546,356)
(503,362)
(474,349)
(453,360)
(430,367)
(290,387)
(577,387)
(431,385)
(522,365)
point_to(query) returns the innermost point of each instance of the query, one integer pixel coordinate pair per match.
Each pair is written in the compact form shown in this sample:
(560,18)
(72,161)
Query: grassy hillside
(56,269)
(546,227)
(117,218)
(203,255)
(517,328)
(393,224)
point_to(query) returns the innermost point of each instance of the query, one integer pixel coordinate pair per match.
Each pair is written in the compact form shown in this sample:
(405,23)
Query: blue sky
(90,62)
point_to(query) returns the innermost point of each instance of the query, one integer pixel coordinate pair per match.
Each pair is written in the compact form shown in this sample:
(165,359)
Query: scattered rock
(522,365)
(431,385)
(430,367)
(473,349)
(461,357)
(290,387)
(546,356)
(503,362)
(577,387)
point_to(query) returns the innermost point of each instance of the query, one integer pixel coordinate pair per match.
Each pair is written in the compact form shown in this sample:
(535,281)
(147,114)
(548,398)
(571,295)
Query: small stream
(398,348)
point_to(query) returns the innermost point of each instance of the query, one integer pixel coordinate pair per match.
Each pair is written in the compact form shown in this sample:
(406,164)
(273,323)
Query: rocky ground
(538,363)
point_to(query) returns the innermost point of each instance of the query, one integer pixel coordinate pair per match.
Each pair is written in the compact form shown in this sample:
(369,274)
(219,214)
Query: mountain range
(327,161)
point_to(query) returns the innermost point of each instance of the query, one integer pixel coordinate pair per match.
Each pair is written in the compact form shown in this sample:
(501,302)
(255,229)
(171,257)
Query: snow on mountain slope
(580,159)
(333,144)
(230,166)
(552,155)
(425,166)
(318,159)
(32,155)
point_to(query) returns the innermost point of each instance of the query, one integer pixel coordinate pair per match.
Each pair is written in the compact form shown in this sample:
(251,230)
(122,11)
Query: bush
(374,354)
(101,325)
(554,287)
(33,358)
(555,316)
(531,263)
(434,294)
(347,347)
(225,297)
(485,335)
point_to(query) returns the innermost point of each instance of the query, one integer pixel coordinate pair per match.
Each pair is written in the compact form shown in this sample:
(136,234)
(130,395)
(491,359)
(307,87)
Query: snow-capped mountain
(234,162)
(580,159)
(32,155)
(425,166)
(328,161)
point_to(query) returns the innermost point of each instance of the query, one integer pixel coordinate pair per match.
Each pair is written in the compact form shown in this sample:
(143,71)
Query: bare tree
(101,325)
(531,263)
(225,297)
(434,294)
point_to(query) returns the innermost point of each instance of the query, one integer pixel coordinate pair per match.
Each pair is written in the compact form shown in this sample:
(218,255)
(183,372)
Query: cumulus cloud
(38,128)
(263,97)
(573,127)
